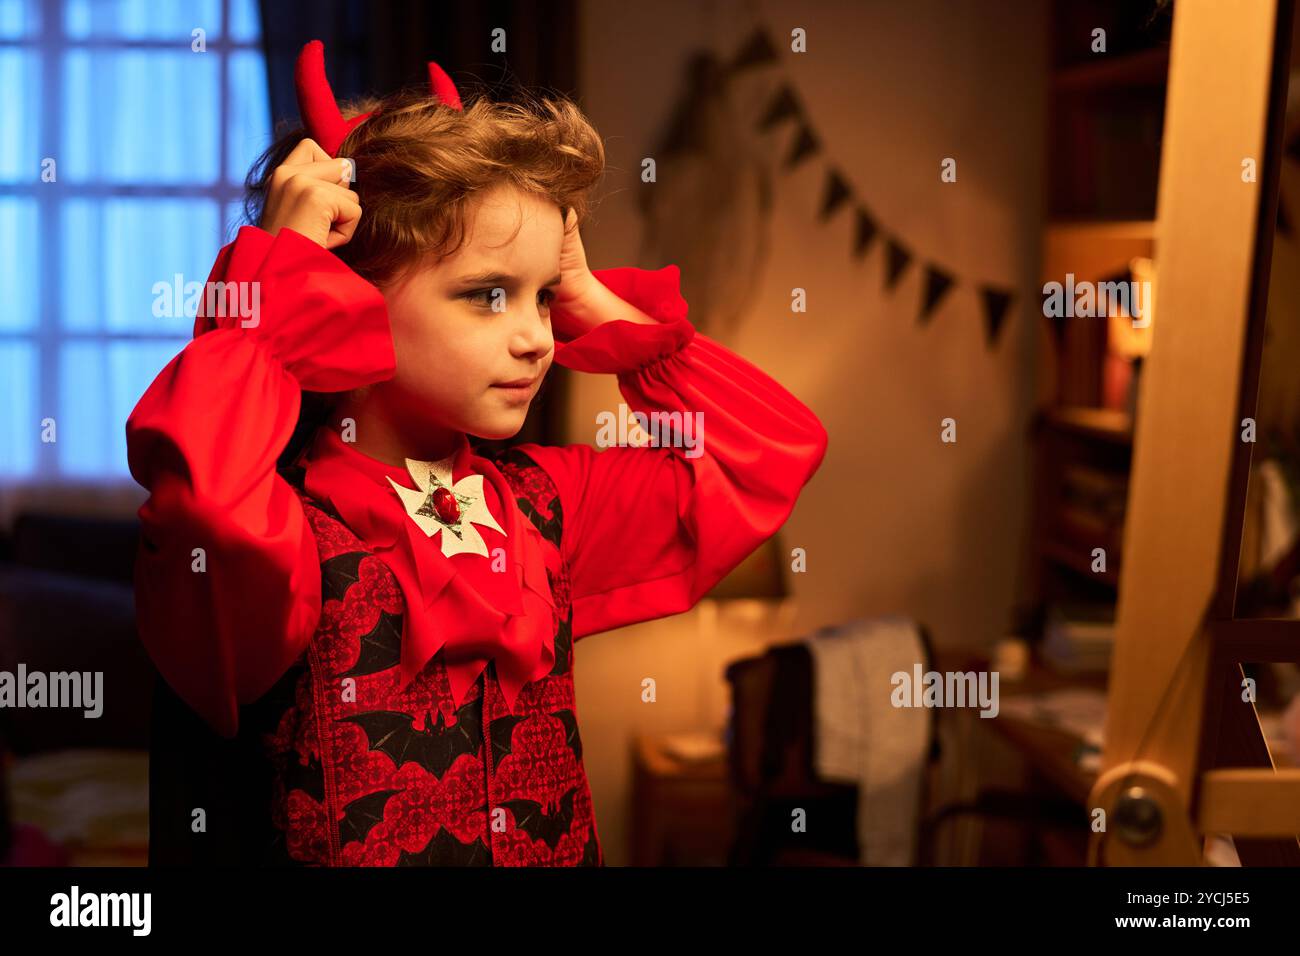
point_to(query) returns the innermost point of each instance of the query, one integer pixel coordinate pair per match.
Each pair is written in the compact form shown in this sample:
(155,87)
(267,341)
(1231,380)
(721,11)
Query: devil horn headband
(320,112)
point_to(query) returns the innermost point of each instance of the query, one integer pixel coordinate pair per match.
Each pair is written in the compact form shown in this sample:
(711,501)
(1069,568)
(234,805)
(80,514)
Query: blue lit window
(123,150)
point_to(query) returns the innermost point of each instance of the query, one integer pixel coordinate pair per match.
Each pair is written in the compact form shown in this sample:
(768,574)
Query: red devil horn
(320,112)
(443,88)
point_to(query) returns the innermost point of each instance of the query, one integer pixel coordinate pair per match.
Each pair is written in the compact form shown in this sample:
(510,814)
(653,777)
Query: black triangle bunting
(757,51)
(897,258)
(805,145)
(784,106)
(996,303)
(837,194)
(937,284)
(864,232)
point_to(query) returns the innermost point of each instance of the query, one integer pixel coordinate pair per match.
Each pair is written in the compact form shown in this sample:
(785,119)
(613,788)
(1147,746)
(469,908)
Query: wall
(896,521)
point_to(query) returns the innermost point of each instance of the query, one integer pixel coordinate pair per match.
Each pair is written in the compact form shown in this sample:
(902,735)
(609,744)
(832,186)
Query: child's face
(455,352)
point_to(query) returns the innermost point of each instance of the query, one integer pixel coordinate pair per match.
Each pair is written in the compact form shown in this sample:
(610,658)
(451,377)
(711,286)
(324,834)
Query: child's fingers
(307,151)
(341,232)
(346,215)
(335,193)
(328,170)
(312,197)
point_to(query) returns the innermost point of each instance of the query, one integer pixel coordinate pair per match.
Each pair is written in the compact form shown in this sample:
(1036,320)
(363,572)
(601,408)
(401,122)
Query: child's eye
(485,295)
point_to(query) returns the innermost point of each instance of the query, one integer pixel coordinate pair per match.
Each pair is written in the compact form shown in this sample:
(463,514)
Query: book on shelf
(1078,638)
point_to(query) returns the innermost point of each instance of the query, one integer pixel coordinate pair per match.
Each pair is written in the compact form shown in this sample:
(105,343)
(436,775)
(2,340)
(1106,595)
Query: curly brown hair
(420,164)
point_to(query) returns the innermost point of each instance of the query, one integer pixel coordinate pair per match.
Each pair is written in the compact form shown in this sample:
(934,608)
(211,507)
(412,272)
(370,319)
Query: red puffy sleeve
(649,530)
(223,624)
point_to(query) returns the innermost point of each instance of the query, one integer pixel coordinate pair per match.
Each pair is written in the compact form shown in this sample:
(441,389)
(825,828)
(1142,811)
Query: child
(367,653)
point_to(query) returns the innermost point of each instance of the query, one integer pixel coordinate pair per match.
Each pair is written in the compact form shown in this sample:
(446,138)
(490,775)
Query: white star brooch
(439,504)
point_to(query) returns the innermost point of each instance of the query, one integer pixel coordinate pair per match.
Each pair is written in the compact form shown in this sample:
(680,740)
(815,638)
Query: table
(682,811)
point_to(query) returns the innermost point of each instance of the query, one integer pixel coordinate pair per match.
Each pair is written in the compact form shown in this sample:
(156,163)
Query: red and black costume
(340,692)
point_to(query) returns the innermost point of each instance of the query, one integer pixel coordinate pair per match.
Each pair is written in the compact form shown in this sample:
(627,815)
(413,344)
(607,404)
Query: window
(127,131)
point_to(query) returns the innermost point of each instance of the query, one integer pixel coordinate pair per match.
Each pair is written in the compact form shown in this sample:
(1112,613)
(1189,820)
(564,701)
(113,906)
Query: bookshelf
(1106,115)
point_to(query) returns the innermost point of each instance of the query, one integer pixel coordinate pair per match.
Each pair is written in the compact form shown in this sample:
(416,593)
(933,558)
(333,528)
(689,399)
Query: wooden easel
(1185,756)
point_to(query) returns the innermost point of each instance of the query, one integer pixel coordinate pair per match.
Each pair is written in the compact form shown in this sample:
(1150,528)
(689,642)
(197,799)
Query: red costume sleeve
(649,530)
(204,440)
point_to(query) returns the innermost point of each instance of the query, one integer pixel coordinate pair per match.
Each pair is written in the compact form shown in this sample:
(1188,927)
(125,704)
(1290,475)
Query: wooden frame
(1184,753)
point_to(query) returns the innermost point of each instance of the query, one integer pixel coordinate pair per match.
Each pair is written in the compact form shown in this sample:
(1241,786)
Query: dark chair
(770,762)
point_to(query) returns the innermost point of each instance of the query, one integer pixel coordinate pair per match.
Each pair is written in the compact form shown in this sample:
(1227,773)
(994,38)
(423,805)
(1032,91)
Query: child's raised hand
(308,193)
(585,302)
(576,281)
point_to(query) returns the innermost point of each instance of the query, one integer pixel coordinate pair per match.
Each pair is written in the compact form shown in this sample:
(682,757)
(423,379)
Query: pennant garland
(896,259)
(784,106)
(866,231)
(938,282)
(996,302)
(756,52)
(837,194)
(805,145)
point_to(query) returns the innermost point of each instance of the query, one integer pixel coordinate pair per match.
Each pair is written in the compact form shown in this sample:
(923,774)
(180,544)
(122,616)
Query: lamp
(756,584)
(759,576)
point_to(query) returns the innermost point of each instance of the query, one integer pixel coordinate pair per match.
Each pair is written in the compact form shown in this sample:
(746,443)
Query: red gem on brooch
(444,503)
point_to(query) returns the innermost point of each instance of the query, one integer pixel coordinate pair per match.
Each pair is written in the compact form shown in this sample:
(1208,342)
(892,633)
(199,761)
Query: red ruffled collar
(474,609)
